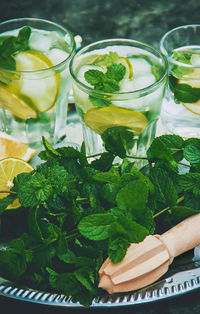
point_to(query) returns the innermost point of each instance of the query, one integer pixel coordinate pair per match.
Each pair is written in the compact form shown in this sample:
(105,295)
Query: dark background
(143,20)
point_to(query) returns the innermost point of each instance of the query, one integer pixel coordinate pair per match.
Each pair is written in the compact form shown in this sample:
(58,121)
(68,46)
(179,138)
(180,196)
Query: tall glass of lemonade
(34,79)
(118,87)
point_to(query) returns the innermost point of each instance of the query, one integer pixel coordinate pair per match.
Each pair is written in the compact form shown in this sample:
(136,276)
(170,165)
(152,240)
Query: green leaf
(117,249)
(99,102)
(107,59)
(133,196)
(116,72)
(192,151)
(4,202)
(10,46)
(179,213)
(190,182)
(185,93)
(107,177)
(118,140)
(94,77)
(159,150)
(95,227)
(165,191)
(65,283)
(134,232)
(12,263)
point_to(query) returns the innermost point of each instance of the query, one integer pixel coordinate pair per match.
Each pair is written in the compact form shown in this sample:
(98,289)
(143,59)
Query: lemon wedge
(100,119)
(31,93)
(9,168)
(12,147)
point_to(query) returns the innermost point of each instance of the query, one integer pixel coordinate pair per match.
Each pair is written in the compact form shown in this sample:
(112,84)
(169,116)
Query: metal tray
(182,277)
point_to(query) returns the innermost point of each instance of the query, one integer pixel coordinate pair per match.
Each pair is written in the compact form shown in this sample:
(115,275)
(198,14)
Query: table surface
(94,20)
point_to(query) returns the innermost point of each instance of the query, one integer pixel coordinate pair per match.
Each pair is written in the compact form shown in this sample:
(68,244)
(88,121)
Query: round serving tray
(174,284)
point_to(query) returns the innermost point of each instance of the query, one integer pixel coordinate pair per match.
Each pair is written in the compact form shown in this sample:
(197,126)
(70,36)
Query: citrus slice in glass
(29,93)
(195,83)
(41,88)
(100,119)
(12,101)
(9,168)
(12,147)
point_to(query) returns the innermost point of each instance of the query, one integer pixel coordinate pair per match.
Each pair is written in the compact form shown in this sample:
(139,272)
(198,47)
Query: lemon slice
(41,88)
(100,119)
(12,147)
(10,100)
(193,107)
(9,168)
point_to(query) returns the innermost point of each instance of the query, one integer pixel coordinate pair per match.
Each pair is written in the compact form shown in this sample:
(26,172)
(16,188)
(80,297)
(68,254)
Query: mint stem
(168,207)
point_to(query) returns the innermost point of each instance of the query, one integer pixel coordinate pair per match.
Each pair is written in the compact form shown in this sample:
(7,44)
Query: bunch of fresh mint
(74,213)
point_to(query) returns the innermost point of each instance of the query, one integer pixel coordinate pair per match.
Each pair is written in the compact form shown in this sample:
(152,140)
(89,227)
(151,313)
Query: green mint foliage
(186,93)
(9,46)
(76,213)
(182,57)
(107,59)
(106,82)
(118,140)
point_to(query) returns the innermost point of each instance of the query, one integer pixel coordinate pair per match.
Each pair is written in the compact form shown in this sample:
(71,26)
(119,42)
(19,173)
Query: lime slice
(41,89)
(100,119)
(9,168)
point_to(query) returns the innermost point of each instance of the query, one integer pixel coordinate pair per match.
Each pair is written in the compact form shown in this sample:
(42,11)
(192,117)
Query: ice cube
(57,55)
(40,41)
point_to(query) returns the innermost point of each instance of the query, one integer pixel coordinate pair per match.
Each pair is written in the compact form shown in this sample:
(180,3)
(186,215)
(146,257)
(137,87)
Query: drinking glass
(34,79)
(181,106)
(118,87)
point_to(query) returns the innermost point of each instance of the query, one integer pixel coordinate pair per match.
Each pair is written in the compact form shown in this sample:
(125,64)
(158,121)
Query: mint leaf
(117,249)
(95,227)
(165,191)
(192,151)
(159,150)
(10,46)
(185,93)
(118,140)
(94,77)
(190,182)
(133,196)
(116,72)
(107,59)
(99,102)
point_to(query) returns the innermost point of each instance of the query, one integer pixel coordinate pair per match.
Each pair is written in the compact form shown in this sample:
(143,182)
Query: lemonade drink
(118,89)
(34,79)
(181,107)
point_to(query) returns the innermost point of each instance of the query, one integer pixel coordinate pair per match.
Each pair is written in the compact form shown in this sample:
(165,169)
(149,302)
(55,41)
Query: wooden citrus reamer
(147,261)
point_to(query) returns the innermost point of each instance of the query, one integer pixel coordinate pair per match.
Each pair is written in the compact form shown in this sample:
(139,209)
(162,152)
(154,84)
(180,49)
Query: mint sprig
(107,82)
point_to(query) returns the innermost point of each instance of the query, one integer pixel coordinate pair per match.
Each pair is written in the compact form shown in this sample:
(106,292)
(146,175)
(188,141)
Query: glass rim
(144,90)
(54,67)
(164,51)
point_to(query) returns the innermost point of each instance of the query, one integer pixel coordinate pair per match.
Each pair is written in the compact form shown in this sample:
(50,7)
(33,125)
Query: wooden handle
(183,237)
